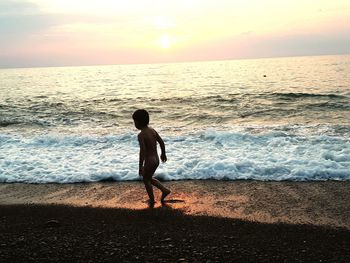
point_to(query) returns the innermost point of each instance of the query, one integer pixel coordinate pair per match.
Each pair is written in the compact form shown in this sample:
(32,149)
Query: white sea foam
(211,154)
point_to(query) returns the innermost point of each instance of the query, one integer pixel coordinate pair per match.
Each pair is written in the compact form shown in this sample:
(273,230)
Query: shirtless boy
(149,159)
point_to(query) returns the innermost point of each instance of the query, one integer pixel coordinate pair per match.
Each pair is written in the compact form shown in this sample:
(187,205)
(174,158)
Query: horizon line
(172,62)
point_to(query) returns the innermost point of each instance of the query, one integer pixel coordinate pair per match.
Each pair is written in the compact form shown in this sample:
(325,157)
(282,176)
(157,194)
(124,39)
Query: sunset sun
(165,41)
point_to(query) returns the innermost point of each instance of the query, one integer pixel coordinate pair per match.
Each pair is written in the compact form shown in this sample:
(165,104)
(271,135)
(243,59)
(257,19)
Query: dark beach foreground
(204,221)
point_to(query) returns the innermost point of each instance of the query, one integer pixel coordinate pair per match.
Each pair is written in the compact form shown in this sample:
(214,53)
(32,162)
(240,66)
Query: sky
(97,32)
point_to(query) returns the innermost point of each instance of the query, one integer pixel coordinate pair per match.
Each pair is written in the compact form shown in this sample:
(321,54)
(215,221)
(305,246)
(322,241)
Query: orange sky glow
(90,32)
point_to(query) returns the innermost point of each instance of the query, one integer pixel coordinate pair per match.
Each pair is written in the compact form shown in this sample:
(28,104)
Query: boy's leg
(148,172)
(165,191)
(161,187)
(148,185)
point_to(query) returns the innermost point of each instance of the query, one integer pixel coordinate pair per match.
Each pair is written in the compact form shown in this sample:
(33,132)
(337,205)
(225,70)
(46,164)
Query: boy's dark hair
(141,116)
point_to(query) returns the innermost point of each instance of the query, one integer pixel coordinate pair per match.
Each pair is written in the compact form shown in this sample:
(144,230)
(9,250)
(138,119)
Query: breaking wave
(218,155)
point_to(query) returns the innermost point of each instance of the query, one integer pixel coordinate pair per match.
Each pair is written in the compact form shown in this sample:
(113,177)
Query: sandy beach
(203,221)
(315,203)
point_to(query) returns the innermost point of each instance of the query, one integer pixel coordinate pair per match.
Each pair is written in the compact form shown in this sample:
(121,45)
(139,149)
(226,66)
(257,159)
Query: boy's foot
(150,203)
(165,194)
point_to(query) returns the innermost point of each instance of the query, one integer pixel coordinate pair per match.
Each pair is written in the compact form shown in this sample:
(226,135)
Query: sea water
(265,119)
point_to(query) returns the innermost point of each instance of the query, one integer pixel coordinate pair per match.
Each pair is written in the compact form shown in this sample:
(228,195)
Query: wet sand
(204,221)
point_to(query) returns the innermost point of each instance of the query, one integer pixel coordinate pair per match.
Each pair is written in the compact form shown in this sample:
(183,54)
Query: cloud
(309,44)
(25,24)
(277,44)
(19,19)
(8,7)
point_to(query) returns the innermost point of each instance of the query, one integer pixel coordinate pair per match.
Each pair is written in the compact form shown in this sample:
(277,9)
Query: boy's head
(141,118)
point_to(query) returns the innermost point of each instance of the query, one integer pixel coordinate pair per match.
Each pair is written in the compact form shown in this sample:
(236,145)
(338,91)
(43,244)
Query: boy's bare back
(148,141)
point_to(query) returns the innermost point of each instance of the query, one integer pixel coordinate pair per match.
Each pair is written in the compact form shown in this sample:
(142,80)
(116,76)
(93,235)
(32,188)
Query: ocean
(265,119)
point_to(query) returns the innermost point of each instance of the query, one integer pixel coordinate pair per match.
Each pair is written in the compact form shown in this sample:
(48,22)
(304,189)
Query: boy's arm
(142,156)
(162,147)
